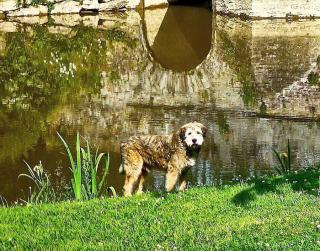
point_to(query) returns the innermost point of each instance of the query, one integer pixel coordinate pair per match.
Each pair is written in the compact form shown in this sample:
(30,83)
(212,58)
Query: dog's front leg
(171,179)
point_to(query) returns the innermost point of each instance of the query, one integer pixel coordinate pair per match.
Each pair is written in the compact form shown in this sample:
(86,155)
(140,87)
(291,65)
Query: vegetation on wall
(40,71)
(235,52)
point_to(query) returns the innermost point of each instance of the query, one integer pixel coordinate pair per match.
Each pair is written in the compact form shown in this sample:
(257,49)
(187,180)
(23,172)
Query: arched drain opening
(202,3)
(180,38)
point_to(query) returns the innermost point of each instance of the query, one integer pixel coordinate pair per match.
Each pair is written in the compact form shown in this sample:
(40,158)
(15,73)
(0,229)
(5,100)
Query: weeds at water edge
(43,192)
(84,168)
(3,202)
(284,160)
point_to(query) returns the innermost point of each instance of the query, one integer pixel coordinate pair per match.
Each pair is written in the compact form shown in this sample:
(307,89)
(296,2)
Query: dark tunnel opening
(200,3)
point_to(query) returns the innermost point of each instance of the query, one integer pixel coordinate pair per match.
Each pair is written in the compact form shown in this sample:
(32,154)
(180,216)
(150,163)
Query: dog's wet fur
(174,153)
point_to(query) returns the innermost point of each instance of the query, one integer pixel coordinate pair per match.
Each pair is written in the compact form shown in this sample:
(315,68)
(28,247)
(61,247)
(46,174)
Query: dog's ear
(182,133)
(204,130)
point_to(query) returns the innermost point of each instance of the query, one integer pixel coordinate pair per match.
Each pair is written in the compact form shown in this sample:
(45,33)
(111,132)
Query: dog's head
(192,135)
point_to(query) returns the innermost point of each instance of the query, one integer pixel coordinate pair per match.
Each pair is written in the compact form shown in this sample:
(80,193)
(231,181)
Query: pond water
(110,76)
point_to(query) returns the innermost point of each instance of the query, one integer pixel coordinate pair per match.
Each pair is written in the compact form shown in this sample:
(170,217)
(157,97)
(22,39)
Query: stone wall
(252,8)
(279,8)
(269,8)
(11,8)
(233,6)
(283,52)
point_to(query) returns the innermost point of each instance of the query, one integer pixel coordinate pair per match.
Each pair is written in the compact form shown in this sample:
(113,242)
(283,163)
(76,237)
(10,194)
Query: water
(111,76)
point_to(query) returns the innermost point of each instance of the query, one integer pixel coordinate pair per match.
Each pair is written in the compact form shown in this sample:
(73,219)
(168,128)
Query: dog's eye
(189,133)
(198,132)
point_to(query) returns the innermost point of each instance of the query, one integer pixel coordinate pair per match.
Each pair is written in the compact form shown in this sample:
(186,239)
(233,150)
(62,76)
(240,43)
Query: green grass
(279,213)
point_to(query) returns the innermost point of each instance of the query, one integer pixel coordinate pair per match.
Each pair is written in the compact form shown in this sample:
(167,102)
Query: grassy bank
(279,213)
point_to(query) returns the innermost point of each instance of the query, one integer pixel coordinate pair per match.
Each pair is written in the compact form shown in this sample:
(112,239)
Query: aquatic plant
(43,192)
(90,166)
(85,182)
(284,160)
(84,168)
(313,78)
(222,122)
(3,201)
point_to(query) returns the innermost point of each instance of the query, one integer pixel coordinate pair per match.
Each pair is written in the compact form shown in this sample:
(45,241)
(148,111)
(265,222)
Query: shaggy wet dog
(174,153)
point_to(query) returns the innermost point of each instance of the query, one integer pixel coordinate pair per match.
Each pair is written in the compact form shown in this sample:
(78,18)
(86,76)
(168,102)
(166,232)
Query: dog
(174,153)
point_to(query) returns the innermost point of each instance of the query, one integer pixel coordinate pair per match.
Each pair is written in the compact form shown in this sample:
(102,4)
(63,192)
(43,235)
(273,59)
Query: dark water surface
(116,75)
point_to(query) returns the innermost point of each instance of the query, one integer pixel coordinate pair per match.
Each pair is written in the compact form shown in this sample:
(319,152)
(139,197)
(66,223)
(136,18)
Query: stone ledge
(8,5)
(289,9)
(40,10)
(256,9)
(11,8)
(66,7)
(102,20)
(8,27)
(155,3)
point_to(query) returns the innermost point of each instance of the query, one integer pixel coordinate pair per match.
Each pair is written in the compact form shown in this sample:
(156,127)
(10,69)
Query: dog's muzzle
(195,146)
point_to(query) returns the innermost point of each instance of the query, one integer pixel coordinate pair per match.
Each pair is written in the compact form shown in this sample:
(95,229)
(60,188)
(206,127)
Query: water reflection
(113,76)
(183,38)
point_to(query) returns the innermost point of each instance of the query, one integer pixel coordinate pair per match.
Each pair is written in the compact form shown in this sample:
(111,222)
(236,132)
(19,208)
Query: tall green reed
(84,167)
(284,160)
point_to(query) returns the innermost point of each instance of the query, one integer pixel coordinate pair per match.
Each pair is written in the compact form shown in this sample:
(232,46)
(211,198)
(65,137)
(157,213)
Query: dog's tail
(121,168)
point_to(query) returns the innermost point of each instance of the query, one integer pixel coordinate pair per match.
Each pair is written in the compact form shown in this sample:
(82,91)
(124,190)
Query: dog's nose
(194,140)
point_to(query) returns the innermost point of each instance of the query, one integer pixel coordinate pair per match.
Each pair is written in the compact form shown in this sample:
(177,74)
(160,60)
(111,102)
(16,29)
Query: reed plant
(284,160)
(84,167)
(3,201)
(43,191)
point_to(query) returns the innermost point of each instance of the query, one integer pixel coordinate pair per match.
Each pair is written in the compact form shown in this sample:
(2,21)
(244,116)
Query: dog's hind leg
(133,168)
(142,178)
(182,181)
(129,185)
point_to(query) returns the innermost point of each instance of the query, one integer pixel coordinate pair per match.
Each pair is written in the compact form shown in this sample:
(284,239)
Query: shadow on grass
(306,181)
